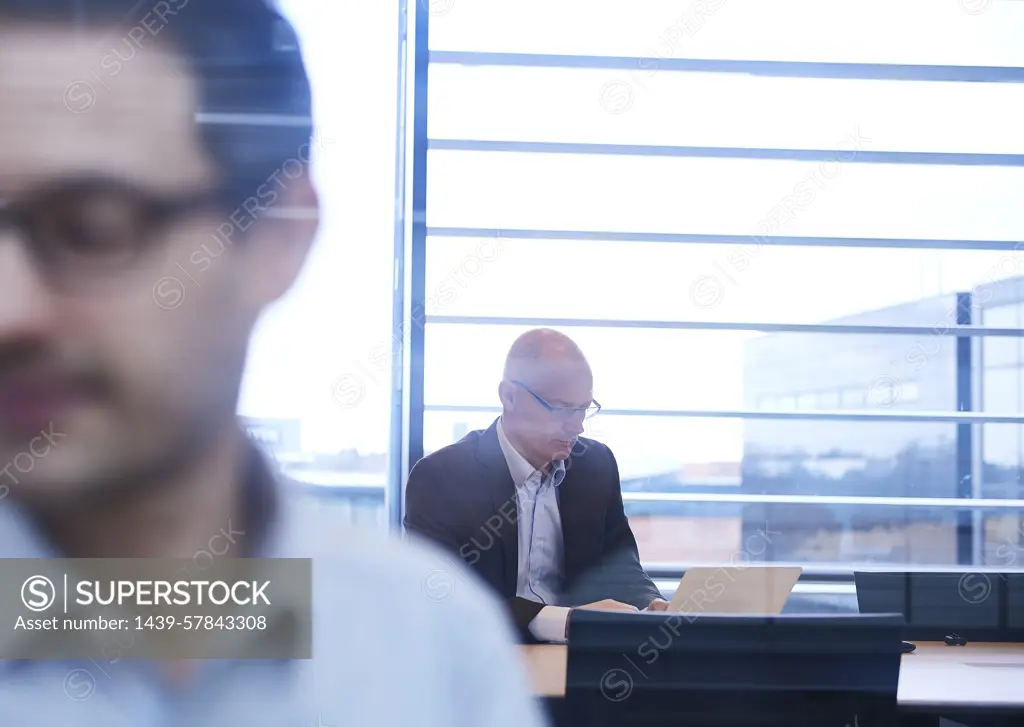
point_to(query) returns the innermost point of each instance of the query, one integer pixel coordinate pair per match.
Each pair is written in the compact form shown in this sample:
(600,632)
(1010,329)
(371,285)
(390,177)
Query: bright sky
(338,319)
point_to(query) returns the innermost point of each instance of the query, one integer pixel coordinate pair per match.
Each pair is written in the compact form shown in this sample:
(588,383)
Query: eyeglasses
(94,227)
(565,412)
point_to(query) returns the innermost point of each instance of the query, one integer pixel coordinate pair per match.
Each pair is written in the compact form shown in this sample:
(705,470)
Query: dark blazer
(463,498)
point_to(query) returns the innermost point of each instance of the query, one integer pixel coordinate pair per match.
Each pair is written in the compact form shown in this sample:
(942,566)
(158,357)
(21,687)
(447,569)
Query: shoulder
(585,444)
(591,453)
(381,602)
(452,455)
(423,586)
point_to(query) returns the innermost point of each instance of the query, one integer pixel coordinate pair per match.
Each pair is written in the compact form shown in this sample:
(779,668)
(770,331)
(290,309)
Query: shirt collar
(269,514)
(519,468)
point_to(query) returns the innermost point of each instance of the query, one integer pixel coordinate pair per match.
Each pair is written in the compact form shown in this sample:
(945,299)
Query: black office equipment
(974,606)
(1015,601)
(907,648)
(697,670)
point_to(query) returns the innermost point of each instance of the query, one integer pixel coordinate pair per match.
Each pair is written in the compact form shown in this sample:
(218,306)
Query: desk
(979,676)
(546,665)
(976,677)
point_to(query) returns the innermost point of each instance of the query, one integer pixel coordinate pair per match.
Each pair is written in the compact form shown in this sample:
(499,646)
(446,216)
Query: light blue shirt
(541,556)
(402,635)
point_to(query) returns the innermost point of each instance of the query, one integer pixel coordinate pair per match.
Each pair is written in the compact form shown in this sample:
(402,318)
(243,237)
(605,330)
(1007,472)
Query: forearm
(550,625)
(523,613)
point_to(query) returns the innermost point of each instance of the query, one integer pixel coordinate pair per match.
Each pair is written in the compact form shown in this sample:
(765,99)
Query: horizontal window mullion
(929,502)
(939,328)
(873,415)
(669,237)
(832,573)
(779,69)
(721,152)
(814,584)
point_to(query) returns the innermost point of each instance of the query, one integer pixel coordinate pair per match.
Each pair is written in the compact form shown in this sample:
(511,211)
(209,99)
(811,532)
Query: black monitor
(692,669)
(979,606)
(1015,606)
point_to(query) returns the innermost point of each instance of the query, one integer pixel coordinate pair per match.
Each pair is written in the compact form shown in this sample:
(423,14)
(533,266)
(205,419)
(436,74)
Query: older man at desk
(535,509)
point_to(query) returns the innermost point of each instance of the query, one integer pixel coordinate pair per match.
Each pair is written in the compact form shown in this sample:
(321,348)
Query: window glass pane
(1001,390)
(1003,461)
(297,394)
(852,398)
(909,392)
(828,400)
(1002,350)
(882,459)
(495,190)
(806,401)
(1002,447)
(858,31)
(657,108)
(443,428)
(1004,540)
(837,536)
(487,275)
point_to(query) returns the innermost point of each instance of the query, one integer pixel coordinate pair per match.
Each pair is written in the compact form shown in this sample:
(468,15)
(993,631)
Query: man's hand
(658,604)
(608,605)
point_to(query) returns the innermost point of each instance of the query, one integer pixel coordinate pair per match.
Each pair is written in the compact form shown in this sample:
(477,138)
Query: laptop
(744,590)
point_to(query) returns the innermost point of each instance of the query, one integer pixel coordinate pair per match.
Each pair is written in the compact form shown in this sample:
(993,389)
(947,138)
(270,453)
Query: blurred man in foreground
(119,386)
(533,507)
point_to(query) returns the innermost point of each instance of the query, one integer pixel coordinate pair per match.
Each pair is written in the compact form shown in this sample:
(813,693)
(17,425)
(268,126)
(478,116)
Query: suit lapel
(502,491)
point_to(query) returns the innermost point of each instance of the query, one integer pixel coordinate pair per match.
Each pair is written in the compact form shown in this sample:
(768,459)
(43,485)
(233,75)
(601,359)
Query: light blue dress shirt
(402,636)
(541,574)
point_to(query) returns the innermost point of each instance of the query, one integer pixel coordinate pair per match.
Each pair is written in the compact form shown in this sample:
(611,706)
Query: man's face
(549,435)
(117,373)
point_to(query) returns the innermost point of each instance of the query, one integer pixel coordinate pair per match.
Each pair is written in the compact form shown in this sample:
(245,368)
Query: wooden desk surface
(936,675)
(545,664)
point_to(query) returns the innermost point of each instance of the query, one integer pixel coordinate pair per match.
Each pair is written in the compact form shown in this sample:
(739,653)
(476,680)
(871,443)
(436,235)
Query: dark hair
(244,55)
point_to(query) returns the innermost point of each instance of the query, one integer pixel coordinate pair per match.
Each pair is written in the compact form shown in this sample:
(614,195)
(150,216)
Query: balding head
(541,351)
(546,380)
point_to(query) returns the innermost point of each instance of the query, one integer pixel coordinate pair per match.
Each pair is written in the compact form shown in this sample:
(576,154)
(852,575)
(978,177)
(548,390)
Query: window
(315,393)
(828,400)
(782,30)
(852,398)
(806,401)
(1002,444)
(729,245)
(1002,350)
(909,392)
